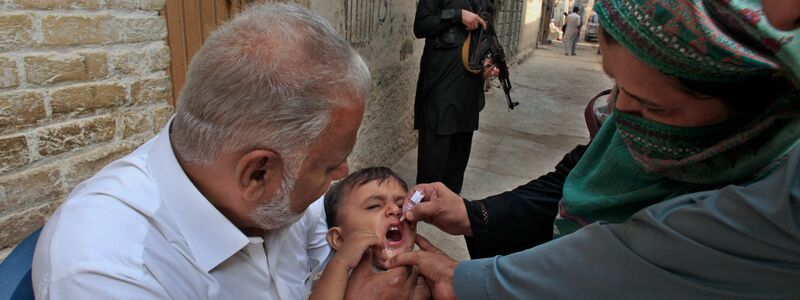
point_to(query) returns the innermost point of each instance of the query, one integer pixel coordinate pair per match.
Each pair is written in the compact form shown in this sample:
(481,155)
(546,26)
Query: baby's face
(376,207)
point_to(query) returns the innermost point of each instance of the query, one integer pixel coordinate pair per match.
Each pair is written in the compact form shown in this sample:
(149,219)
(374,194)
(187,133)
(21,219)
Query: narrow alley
(513,147)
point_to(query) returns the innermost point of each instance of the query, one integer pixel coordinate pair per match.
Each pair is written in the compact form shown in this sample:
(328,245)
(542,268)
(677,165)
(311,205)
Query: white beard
(277,213)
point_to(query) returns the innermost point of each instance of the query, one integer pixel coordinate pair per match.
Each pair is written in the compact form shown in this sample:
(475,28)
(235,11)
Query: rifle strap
(465,53)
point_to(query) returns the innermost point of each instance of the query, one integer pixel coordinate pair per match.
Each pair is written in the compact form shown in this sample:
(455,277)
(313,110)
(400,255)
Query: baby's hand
(354,246)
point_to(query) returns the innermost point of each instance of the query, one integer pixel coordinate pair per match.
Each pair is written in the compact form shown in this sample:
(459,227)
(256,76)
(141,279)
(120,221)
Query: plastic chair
(15,271)
(596,112)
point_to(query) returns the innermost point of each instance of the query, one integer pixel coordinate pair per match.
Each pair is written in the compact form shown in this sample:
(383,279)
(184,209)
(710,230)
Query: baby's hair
(334,196)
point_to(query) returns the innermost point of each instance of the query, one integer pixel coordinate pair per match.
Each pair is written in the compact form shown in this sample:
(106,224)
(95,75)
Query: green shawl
(632,162)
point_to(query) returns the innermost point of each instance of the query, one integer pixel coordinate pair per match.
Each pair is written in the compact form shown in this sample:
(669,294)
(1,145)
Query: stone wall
(82,82)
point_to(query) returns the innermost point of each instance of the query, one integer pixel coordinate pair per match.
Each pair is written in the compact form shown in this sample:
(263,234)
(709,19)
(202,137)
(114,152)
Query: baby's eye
(373,206)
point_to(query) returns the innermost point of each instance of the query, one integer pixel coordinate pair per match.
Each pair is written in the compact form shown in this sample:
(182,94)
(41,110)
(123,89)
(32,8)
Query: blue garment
(738,242)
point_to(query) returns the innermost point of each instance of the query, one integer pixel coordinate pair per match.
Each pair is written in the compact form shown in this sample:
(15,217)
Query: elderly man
(221,204)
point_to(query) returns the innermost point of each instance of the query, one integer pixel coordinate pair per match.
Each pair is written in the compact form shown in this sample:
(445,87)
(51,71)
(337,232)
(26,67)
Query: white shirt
(139,229)
(573,21)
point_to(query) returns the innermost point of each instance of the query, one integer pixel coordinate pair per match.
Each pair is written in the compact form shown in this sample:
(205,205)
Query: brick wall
(82,82)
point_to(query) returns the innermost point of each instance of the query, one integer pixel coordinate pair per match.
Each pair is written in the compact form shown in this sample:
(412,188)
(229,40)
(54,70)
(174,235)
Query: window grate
(509,20)
(361,18)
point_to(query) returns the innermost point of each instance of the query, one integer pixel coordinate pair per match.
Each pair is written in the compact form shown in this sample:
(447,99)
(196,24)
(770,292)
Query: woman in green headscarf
(690,189)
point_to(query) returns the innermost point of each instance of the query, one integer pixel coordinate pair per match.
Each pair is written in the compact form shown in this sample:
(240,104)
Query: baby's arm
(333,282)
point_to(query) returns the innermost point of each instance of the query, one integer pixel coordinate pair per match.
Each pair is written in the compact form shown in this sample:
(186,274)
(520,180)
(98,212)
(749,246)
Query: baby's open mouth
(394,236)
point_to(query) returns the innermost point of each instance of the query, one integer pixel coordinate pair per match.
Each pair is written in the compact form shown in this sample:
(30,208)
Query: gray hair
(269,78)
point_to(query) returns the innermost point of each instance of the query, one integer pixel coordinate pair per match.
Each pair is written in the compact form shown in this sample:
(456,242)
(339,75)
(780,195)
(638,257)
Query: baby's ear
(335,238)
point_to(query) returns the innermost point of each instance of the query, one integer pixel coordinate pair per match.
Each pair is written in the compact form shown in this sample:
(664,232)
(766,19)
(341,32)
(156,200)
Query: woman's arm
(737,242)
(521,218)
(501,224)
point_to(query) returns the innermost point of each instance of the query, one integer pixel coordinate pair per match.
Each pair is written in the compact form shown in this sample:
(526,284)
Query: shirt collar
(211,237)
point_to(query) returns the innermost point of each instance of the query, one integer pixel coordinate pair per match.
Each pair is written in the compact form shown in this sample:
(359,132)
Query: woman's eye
(653,111)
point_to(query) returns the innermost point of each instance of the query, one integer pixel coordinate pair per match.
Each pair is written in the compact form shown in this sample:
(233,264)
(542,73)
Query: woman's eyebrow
(640,99)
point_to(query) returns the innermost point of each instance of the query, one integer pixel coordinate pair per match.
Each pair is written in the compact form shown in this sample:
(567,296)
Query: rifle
(488,45)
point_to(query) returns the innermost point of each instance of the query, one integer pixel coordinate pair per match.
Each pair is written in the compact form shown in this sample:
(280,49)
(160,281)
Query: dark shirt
(448,98)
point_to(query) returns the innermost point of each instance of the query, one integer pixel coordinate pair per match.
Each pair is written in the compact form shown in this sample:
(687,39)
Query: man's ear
(335,238)
(259,173)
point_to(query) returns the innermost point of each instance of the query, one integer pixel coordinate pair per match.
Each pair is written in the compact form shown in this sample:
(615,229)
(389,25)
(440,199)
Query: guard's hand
(471,20)
(433,264)
(395,283)
(441,208)
(489,69)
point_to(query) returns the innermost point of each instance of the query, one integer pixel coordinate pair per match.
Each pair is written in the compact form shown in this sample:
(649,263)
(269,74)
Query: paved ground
(511,148)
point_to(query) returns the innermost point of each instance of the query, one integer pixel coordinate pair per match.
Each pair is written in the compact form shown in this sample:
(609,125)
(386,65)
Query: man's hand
(441,208)
(471,20)
(354,246)
(395,283)
(489,69)
(433,264)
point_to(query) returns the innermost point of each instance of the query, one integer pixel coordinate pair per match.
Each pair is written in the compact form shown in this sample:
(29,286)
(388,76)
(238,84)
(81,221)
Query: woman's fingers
(422,211)
(426,245)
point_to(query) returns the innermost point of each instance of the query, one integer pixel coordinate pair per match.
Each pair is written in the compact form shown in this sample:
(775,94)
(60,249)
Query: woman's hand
(441,208)
(471,20)
(433,264)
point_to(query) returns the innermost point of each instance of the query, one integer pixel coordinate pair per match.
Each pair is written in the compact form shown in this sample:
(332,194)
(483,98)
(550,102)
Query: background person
(449,98)
(572,31)
(555,33)
(718,222)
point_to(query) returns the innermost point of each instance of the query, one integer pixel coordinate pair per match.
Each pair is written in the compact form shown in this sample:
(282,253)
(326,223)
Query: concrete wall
(82,82)
(529,31)
(392,54)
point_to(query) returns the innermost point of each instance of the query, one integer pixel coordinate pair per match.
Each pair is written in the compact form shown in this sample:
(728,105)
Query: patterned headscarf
(699,40)
(745,16)
(634,162)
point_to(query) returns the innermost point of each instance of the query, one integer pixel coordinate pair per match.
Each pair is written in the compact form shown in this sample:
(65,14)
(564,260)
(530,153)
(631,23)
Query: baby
(363,212)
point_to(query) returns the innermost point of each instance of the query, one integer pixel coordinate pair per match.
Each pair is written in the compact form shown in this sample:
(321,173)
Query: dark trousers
(443,158)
